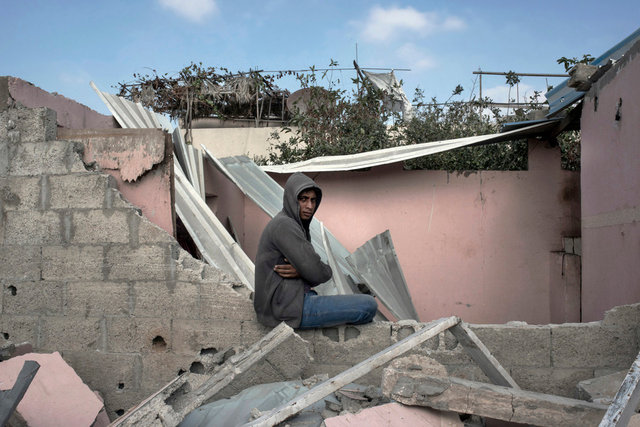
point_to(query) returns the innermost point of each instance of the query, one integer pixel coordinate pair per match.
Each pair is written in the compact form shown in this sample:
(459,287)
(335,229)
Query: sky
(62,45)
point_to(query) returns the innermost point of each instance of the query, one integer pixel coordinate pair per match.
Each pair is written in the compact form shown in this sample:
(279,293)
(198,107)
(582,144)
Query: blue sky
(62,45)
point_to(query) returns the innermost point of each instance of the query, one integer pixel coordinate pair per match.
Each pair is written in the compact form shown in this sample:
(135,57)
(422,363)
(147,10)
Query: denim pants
(320,311)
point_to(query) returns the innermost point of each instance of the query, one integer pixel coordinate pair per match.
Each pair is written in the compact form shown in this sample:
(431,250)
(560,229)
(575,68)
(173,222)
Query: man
(287,268)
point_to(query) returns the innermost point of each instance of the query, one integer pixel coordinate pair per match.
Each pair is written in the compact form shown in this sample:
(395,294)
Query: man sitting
(287,268)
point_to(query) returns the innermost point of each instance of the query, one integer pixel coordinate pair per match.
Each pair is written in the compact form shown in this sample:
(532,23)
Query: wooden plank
(292,407)
(200,172)
(626,401)
(482,356)
(9,399)
(411,386)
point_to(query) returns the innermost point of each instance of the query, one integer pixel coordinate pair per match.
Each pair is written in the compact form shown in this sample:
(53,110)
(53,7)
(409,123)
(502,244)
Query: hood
(296,184)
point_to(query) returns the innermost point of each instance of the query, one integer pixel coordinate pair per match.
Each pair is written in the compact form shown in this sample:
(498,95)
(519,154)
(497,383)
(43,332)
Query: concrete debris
(601,389)
(419,381)
(396,415)
(626,400)
(56,396)
(8,349)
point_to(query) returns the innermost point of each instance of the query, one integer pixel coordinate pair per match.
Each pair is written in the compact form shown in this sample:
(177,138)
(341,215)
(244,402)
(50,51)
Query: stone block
(19,329)
(28,124)
(80,190)
(355,343)
(40,297)
(141,263)
(97,299)
(513,346)
(20,193)
(100,226)
(623,316)
(72,263)
(191,336)
(20,263)
(71,334)
(560,382)
(588,345)
(221,302)
(51,157)
(134,335)
(33,228)
(179,300)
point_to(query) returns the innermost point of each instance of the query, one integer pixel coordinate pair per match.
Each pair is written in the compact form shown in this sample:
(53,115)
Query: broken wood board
(291,408)
(189,391)
(626,401)
(481,355)
(415,384)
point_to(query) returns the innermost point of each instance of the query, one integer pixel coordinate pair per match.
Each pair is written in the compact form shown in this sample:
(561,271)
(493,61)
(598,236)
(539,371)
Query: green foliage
(569,143)
(568,63)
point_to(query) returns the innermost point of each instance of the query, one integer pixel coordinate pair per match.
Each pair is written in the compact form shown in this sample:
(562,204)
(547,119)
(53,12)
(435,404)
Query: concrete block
(72,263)
(191,336)
(148,232)
(20,193)
(117,403)
(355,343)
(141,263)
(220,302)
(560,382)
(20,263)
(517,345)
(134,335)
(52,157)
(469,372)
(100,226)
(20,329)
(81,190)
(66,333)
(179,300)
(588,345)
(33,228)
(601,389)
(252,331)
(28,124)
(97,299)
(160,368)
(623,316)
(40,297)
(188,269)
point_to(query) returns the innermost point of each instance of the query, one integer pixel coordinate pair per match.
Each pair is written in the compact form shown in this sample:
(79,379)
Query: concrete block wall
(83,273)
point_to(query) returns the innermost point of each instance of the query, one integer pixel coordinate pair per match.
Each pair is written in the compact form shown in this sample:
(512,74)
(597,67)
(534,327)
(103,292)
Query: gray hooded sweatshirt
(287,236)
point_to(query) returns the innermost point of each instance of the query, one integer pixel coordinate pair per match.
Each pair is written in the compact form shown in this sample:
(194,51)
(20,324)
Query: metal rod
(494,73)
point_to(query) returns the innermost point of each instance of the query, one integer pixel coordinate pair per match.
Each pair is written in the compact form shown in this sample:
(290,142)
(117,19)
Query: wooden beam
(626,401)
(294,406)
(412,387)
(481,355)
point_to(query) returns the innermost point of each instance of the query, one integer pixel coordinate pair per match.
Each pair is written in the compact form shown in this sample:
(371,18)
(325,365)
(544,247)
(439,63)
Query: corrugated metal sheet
(376,261)
(405,152)
(562,96)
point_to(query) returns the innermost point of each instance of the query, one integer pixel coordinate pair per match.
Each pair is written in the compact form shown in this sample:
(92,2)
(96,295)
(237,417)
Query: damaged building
(91,269)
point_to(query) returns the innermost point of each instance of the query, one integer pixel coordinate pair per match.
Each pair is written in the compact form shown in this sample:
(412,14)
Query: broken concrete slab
(56,396)
(190,390)
(601,389)
(414,383)
(396,415)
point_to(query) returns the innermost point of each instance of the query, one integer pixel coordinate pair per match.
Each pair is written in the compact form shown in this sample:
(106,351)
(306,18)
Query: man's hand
(286,271)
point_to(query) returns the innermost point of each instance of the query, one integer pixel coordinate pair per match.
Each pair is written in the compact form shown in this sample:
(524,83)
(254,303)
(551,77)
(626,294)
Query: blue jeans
(321,311)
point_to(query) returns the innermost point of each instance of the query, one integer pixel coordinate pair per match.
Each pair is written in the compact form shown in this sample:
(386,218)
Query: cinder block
(160,368)
(106,372)
(71,334)
(253,331)
(623,316)
(465,371)
(81,190)
(20,193)
(32,228)
(148,232)
(117,403)
(134,335)
(141,263)
(72,263)
(19,329)
(191,336)
(561,382)
(588,345)
(100,226)
(220,302)
(28,124)
(20,263)
(40,297)
(167,299)
(97,299)
(51,157)
(513,346)
(364,342)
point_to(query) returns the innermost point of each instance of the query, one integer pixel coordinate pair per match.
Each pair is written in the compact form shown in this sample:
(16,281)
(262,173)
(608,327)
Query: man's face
(307,201)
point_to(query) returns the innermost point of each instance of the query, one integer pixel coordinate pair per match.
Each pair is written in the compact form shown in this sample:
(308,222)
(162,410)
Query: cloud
(386,24)
(193,10)
(501,93)
(414,57)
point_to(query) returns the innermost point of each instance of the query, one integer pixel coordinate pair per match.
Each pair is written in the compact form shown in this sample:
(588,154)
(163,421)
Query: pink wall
(611,189)
(473,244)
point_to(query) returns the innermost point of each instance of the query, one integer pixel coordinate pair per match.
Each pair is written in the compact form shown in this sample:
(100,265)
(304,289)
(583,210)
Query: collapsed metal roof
(402,153)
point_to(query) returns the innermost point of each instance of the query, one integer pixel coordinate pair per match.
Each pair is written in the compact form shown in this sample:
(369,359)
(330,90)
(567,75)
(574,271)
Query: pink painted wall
(611,189)
(473,244)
